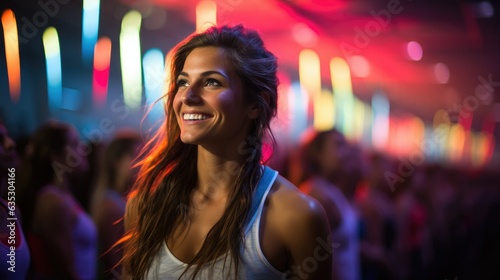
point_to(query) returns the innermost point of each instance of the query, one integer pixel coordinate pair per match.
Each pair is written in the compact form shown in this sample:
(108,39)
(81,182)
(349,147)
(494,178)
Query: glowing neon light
(344,99)
(324,111)
(456,143)
(298,103)
(206,15)
(130,58)
(358,119)
(154,82)
(102,58)
(53,63)
(90,28)
(380,118)
(309,72)
(12,54)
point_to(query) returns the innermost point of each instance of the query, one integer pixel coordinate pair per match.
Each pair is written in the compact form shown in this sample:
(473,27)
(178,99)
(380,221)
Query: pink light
(304,35)
(441,73)
(360,67)
(102,57)
(414,51)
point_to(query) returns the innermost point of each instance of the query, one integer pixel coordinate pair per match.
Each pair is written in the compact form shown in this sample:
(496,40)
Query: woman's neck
(217,174)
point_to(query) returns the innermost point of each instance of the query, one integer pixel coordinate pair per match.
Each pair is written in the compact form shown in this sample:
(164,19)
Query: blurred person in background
(108,205)
(331,177)
(411,200)
(378,224)
(62,237)
(9,163)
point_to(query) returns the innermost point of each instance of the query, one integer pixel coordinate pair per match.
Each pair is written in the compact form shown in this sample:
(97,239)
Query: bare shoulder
(301,224)
(293,206)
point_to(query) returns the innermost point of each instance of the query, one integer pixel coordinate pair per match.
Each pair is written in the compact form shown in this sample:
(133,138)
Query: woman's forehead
(206,59)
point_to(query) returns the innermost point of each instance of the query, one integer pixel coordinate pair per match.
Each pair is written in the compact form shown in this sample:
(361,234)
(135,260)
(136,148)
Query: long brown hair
(161,194)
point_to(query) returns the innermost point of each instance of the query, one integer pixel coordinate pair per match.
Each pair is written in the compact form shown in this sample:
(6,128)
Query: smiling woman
(204,206)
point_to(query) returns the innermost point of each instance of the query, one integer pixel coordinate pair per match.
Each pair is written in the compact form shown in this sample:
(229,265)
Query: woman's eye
(182,83)
(212,83)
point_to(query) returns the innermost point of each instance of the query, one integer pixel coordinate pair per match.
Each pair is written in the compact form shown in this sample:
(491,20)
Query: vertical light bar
(206,15)
(380,118)
(480,150)
(154,82)
(429,145)
(130,59)
(358,119)
(441,125)
(441,135)
(12,54)
(309,72)
(53,63)
(456,143)
(342,90)
(298,111)
(367,125)
(324,111)
(90,28)
(419,133)
(102,58)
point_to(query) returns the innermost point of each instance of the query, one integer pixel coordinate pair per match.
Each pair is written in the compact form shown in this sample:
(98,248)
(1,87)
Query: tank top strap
(265,183)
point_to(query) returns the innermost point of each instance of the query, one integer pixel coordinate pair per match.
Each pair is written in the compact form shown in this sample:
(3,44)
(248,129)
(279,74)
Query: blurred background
(413,86)
(392,75)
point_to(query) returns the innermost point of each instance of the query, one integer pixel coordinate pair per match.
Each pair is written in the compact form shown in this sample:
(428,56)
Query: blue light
(298,102)
(154,83)
(53,63)
(90,29)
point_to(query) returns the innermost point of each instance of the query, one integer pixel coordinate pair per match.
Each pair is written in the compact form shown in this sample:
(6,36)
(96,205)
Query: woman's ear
(254,111)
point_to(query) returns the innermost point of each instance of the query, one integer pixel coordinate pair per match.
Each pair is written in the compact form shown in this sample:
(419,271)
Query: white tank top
(253,264)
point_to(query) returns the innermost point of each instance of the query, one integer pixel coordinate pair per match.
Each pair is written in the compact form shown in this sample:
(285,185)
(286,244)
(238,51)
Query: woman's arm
(306,234)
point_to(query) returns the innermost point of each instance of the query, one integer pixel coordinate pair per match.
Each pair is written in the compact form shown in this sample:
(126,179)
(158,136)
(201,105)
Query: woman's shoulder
(291,206)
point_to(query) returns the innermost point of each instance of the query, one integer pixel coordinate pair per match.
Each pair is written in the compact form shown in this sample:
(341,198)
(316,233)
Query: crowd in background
(438,223)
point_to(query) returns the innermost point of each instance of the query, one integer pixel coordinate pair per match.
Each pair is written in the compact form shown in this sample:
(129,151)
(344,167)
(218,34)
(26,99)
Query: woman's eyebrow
(206,73)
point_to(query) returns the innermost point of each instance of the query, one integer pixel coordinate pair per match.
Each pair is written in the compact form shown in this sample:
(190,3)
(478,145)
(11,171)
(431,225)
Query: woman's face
(209,105)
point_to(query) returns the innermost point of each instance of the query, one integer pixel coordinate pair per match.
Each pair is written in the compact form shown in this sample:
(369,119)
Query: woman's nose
(191,96)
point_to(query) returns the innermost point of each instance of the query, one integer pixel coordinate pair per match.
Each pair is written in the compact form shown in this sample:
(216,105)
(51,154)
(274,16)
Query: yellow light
(441,117)
(482,148)
(206,15)
(418,132)
(359,119)
(324,111)
(367,126)
(478,149)
(344,99)
(12,54)
(130,58)
(456,143)
(309,72)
